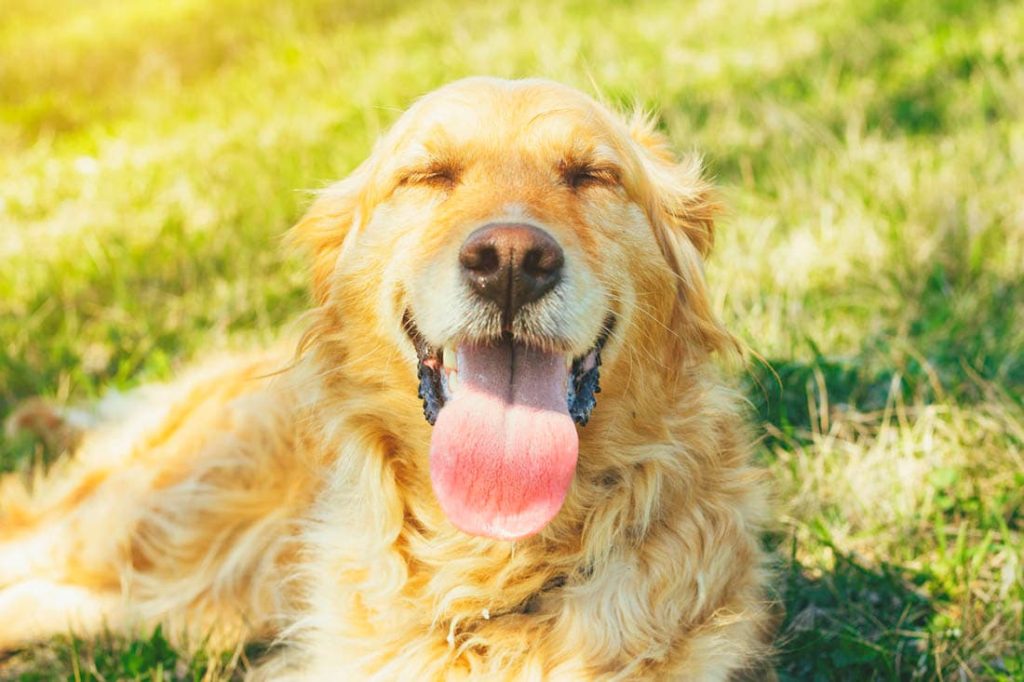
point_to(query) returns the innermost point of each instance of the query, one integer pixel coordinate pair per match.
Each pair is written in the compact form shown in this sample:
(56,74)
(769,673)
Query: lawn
(871,153)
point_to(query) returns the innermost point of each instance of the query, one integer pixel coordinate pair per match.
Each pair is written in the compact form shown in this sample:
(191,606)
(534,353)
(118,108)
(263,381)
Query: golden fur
(296,504)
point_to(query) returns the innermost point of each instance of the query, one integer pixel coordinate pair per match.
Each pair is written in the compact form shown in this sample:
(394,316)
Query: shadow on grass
(951,333)
(854,622)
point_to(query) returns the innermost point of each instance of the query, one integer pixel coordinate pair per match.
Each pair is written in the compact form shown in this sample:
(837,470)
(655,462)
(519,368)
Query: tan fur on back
(255,503)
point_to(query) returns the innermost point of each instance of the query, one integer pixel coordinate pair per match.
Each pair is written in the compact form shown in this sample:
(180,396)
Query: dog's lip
(425,350)
(437,370)
(419,343)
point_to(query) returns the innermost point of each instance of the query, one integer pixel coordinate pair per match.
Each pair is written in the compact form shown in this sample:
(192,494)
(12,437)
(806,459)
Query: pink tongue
(504,447)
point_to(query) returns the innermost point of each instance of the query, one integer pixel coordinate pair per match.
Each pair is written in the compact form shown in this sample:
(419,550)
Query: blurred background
(153,152)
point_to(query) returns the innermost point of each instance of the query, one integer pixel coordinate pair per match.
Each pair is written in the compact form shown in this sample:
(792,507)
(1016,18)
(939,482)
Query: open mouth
(504,446)
(438,371)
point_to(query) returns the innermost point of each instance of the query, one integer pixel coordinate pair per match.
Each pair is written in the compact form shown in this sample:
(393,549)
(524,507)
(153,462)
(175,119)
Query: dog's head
(516,243)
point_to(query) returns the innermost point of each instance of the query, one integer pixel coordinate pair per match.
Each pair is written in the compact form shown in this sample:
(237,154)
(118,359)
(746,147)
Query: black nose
(511,265)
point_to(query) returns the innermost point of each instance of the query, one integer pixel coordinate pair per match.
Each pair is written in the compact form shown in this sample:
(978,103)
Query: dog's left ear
(681,199)
(329,227)
(682,208)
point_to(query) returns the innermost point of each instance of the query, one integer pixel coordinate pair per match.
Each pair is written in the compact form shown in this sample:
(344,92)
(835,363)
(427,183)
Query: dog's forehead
(509,115)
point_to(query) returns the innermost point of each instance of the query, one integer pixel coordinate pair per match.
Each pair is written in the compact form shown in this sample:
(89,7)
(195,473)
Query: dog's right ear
(329,228)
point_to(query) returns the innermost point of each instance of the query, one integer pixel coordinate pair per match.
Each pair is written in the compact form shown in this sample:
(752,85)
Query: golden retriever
(502,450)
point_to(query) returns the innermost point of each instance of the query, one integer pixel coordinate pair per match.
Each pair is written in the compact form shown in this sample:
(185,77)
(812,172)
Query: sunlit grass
(871,153)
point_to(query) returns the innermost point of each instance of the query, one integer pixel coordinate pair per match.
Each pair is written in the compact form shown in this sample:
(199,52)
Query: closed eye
(440,175)
(582,175)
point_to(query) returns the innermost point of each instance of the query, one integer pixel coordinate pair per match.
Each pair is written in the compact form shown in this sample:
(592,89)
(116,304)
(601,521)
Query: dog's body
(316,504)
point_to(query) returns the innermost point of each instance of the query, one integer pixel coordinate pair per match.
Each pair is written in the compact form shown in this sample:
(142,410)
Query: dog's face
(514,240)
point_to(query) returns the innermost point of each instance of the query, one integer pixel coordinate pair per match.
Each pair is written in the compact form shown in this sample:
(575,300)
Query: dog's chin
(504,446)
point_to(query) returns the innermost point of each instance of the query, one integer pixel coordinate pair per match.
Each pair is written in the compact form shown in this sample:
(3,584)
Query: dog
(502,450)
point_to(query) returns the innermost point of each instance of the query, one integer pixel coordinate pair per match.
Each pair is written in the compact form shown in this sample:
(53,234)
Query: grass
(152,153)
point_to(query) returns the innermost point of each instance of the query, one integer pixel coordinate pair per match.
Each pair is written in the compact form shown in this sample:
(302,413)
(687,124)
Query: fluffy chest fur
(651,568)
